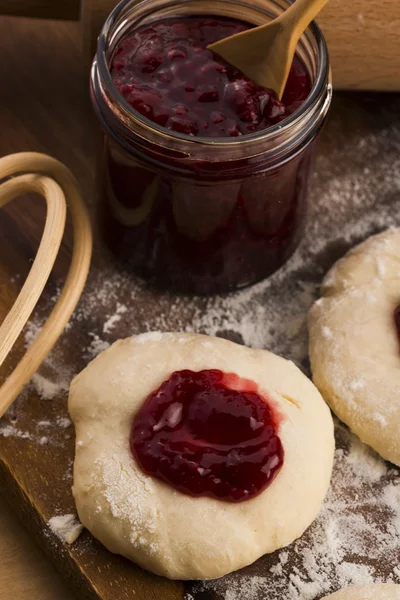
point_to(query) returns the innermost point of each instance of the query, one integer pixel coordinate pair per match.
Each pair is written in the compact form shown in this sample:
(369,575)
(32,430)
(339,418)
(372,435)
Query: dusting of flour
(347,544)
(66,527)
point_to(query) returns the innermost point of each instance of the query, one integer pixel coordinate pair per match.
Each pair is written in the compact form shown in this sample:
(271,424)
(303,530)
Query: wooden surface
(362,36)
(26,573)
(51,113)
(45,9)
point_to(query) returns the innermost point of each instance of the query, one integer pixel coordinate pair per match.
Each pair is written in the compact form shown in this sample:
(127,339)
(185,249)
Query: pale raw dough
(148,521)
(354,347)
(377,591)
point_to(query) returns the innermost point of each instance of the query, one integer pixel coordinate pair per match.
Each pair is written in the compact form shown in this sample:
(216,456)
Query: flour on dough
(354,346)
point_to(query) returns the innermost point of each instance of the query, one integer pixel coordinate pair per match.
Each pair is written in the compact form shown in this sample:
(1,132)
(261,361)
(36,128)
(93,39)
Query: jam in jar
(204,174)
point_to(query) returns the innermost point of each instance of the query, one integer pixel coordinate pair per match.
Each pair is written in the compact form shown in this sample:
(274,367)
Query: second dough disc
(355,344)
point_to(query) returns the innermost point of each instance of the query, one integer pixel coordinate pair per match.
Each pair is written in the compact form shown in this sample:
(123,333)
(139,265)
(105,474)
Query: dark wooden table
(45,107)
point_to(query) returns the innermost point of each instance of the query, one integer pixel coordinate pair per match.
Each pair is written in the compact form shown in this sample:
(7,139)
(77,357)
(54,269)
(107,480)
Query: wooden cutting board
(51,113)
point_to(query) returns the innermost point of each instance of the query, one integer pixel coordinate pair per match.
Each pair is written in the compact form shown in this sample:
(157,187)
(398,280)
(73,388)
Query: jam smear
(209,433)
(397,320)
(166,73)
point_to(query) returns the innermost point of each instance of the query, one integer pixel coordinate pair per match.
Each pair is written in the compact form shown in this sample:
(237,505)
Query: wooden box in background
(364,43)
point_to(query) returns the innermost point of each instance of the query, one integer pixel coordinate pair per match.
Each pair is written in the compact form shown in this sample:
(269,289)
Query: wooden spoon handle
(55,191)
(297,18)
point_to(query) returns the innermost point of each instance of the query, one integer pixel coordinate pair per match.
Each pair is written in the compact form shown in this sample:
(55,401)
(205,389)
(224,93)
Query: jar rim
(279,128)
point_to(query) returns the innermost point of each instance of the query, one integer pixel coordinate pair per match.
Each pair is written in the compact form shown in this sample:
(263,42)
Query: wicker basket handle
(42,174)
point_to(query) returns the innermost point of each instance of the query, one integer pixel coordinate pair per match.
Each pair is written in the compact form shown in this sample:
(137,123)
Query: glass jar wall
(197,214)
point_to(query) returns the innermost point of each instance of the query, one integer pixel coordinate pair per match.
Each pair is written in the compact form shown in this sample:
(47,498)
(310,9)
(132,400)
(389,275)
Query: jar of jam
(204,175)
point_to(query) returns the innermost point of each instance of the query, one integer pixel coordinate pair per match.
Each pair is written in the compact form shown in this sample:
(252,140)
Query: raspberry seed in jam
(209,433)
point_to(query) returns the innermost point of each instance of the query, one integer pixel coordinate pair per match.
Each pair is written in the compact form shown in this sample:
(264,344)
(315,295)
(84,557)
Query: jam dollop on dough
(397,320)
(165,72)
(209,433)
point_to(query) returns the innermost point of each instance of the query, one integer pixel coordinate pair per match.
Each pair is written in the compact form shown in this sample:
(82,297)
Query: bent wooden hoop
(55,182)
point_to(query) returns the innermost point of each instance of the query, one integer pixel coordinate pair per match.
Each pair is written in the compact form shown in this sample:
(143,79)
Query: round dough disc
(354,347)
(147,520)
(383,591)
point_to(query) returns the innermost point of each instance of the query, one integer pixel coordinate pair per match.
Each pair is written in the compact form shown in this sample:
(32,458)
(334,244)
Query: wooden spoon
(265,54)
(59,187)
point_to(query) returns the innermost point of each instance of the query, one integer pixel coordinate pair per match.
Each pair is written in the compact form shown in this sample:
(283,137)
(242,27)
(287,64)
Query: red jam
(209,433)
(397,320)
(167,74)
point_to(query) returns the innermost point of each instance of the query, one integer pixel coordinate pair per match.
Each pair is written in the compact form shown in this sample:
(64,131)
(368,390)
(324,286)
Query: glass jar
(204,215)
